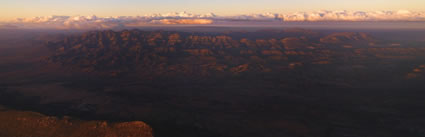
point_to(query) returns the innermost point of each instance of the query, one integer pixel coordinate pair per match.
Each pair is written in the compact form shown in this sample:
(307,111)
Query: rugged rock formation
(31,124)
(158,52)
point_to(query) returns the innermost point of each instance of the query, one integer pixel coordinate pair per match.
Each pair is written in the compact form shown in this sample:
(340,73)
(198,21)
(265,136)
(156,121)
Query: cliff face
(31,124)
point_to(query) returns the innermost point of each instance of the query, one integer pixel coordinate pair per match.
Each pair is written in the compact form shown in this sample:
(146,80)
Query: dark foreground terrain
(30,124)
(269,83)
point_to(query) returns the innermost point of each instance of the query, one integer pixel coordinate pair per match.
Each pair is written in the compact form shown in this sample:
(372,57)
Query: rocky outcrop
(295,43)
(417,72)
(249,67)
(199,52)
(174,39)
(272,52)
(344,37)
(31,124)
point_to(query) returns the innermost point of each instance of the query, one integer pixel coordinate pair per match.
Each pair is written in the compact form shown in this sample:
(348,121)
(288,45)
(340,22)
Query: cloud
(94,22)
(402,15)
(68,22)
(184,21)
(257,17)
(182,15)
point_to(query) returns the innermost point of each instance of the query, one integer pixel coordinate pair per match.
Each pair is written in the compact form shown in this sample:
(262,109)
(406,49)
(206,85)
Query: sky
(11,9)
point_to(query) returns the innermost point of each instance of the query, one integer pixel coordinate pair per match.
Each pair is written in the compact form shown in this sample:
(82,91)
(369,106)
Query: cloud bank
(183,21)
(94,22)
(401,15)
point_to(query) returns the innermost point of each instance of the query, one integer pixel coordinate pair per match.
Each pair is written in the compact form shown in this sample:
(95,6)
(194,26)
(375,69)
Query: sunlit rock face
(31,124)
